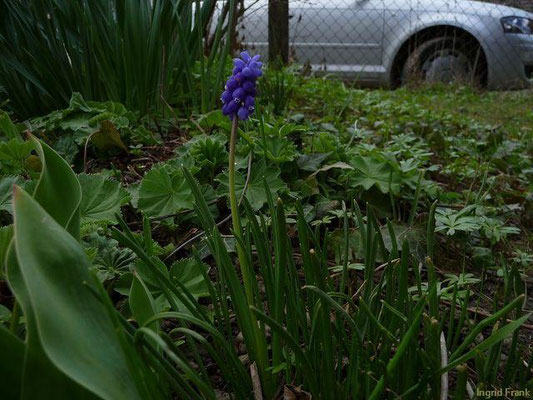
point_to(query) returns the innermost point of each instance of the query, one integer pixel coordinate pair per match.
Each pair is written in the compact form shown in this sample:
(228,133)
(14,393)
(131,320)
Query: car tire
(444,60)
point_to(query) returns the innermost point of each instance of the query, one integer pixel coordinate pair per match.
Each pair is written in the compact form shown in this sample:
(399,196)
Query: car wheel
(443,60)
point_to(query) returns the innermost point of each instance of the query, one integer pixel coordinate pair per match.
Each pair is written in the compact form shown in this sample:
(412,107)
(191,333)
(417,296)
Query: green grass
(509,110)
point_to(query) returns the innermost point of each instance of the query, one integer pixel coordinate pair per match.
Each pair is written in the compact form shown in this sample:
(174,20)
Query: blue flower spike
(238,98)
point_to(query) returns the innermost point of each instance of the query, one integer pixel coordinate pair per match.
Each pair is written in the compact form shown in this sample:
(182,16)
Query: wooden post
(278,32)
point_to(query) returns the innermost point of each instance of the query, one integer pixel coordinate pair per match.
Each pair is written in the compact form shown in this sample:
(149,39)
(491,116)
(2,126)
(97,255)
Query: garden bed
(382,228)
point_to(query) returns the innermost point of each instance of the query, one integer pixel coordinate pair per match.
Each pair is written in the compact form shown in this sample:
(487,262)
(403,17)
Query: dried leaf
(291,392)
(108,137)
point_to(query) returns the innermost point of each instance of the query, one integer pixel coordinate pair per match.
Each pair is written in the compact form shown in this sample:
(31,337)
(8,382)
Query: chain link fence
(393,42)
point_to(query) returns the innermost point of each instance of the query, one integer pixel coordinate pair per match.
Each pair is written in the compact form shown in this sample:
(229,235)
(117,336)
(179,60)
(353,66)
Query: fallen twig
(256,382)
(443,363)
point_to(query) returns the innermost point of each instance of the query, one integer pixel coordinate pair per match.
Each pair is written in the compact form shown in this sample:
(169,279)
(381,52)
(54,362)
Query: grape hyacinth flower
(239,102)
(238,97)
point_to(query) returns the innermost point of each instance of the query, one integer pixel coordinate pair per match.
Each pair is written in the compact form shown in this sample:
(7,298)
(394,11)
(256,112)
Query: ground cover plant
(324,242)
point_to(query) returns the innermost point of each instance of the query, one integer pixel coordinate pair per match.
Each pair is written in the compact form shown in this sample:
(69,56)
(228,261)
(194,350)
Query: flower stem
(260,350)
(232,195)
(235,217)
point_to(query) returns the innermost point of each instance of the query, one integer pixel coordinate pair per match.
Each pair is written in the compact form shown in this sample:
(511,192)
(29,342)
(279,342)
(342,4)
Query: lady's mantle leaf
(101,198)
(6,190)
(255,192)
(371,172)
(277,150)
(163,191)
(188,272)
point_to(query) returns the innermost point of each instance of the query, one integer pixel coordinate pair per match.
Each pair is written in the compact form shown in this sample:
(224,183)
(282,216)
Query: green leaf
(142,303)
(15,152)
(311,162)
(188,272)
(101,198)
(8,127)
(108,259)
(72,325)
(496,337)
(6,235)
(208,152)
(453,221)
(255,192)
(337,165)
(163,191)
(6,190)
(144,272)
(5,314)
(133,191)
(276,149)
(401,350)
(39,374)
(66,146)
(415,235)
(372,172)
(11,364)
(58,190)
(108,137)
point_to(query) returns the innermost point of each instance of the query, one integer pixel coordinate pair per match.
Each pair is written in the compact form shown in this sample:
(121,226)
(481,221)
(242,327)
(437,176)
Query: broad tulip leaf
(164,191)
(58,190)
(40,377)
(11,364)
(101,198)
(50,282)
(72,326)
(6,235)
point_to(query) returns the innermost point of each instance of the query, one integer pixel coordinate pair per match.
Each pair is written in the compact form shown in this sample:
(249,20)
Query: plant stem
(246,270)
(231,167)
(235,217)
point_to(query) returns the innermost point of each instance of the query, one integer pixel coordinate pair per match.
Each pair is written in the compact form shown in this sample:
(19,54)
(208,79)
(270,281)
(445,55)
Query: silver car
(390,42)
